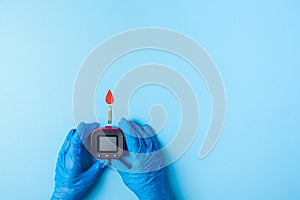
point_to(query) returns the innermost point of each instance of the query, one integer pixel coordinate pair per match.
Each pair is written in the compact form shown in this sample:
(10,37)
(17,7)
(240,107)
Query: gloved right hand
(141,169)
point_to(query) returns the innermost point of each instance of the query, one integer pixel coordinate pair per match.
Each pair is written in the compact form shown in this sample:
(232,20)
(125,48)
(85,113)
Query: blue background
(255,45)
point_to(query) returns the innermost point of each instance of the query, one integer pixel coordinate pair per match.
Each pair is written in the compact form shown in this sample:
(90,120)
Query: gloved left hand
(70,181)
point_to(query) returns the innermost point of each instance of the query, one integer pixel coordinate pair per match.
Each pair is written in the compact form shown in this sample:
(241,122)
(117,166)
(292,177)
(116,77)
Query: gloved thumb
(94,170)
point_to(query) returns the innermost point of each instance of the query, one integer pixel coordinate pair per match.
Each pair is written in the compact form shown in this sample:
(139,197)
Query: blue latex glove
(70,181)
(141,169)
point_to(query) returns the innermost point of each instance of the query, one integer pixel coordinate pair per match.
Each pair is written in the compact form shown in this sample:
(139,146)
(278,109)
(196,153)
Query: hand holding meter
(144,176)
(107,142)
(71,182)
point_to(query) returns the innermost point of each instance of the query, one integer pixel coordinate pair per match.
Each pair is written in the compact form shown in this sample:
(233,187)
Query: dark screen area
(107,143)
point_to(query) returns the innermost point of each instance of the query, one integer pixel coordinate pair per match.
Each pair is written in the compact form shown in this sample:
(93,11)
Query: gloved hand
(141,169)
(70,181)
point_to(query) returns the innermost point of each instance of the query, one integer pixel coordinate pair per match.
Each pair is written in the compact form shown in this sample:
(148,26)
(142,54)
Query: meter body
(107,143)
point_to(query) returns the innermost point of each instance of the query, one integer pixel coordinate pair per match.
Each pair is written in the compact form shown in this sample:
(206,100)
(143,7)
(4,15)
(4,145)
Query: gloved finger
(94,170)
(126,127)
(84,130)
(138,128)
(74,153)
(123,164)
(131,140)
(60,166)
(149,130)
(152,136)
(66,143)
(88,177)
(103,163)
(144,142)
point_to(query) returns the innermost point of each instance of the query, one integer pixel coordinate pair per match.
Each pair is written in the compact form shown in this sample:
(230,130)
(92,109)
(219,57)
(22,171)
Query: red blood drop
(109,97)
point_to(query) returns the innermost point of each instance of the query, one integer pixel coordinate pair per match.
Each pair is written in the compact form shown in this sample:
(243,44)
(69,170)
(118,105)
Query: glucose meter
(107,143)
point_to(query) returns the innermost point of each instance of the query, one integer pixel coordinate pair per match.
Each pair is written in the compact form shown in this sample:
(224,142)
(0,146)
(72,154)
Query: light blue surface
(254,44)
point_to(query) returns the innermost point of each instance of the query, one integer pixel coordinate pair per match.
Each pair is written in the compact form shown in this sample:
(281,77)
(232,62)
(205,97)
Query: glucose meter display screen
(107,143)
